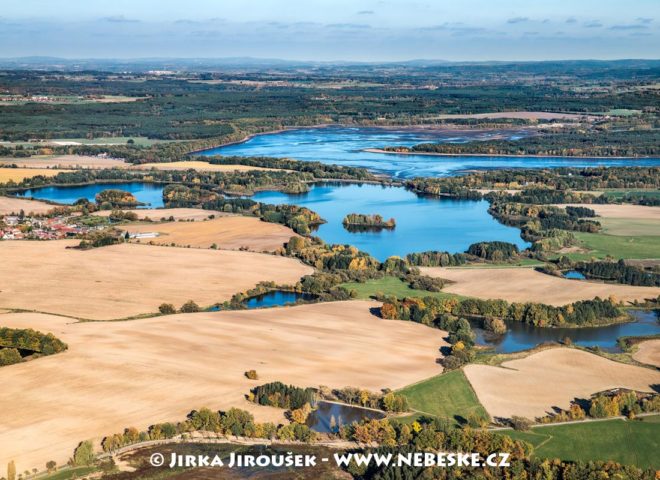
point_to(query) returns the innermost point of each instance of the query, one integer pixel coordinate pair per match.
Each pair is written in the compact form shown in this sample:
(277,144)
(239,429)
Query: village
(24,227)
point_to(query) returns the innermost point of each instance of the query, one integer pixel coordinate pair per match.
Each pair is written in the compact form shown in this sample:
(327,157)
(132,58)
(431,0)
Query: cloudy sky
(362,30)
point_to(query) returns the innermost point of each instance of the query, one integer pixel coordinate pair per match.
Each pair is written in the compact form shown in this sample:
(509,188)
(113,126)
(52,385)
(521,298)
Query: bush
(189,307)
(9,356)
(166,309)
(521,424)
(252,375)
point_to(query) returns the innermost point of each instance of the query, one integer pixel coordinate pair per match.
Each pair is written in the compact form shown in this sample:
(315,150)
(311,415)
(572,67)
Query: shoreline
(509,155)
(421,128)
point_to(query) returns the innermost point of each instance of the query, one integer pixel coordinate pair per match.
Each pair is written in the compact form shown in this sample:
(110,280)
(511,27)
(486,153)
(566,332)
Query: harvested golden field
(626,220)
(229,233)
(528,285)
(138,372)
(198,165)
(648,352)
(9,205)
(632,212)
(65,161)
(521,115)
(126,280)
(20,174)
(156,214)
(530,387)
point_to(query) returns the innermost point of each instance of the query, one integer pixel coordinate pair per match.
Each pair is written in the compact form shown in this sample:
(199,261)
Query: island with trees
(361,221)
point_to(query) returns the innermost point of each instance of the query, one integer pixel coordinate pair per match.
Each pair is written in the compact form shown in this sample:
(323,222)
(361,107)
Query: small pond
(277,298)
(574,275)
(150,194)
(321,419)
(521,336)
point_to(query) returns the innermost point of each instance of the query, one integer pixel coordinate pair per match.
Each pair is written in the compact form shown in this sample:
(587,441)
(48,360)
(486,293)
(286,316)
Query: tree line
(619,272)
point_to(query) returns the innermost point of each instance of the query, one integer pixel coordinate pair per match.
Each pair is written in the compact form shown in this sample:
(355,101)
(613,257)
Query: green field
(69,473)
(449,395)
(600,245)
(620,193)
(630,227)
(391,286)
(629,442)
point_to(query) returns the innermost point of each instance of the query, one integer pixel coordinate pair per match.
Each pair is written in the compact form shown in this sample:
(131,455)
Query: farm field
(624,227)
(64,161)
(628,247)
(138,140)
(197,165)
(199,360)
(520,115)
(628,442)
(528,285)
(624,211)
(391,286)
(9,205)
(20,174)
(626,220)
(531,386)
(125,280)
(648,352)
(227,232)
(156,214)
(448,395)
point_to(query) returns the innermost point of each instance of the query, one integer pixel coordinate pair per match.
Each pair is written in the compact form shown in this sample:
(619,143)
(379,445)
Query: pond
(321,419)
(277,298)
(346,146)
(149,193)
(521,336)
(574,275)
(422,223)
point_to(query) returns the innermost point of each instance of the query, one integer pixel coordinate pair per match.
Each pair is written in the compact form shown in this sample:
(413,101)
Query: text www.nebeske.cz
(415,459)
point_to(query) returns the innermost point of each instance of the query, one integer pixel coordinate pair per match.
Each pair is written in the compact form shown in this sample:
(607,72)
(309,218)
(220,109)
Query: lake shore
(434,154)
(318,126)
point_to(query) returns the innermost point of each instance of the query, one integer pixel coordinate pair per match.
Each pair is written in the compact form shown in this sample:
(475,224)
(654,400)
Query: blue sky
(361,30)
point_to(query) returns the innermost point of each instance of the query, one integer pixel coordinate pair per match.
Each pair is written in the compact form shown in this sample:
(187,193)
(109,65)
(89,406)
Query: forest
(615,141)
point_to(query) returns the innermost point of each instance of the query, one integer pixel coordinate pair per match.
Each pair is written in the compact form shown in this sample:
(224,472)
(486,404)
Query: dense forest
(619,272)
(559,180)
(428,310)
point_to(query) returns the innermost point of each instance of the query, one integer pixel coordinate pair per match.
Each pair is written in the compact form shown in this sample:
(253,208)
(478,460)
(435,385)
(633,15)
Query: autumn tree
(83,455)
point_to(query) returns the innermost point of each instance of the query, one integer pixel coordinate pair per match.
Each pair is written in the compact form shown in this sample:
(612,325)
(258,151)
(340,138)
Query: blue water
(320,420)
(422,223)
(574,275)
(149,193)
(521,336)
(345,146)
(276,298)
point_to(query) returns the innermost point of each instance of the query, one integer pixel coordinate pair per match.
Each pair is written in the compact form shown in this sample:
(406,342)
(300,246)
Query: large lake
(422,223)
(150,194)
(346,145)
